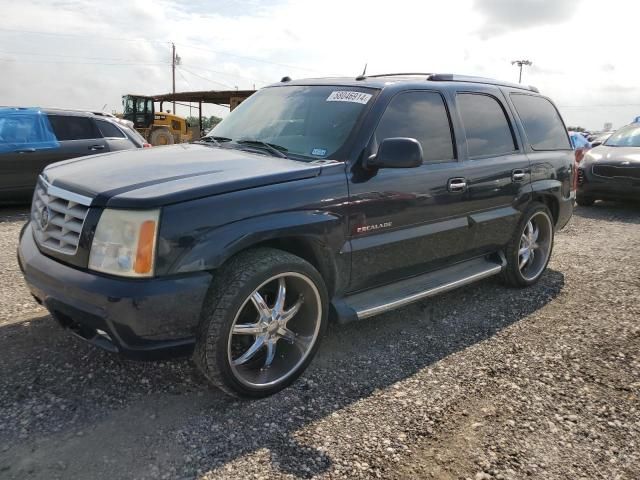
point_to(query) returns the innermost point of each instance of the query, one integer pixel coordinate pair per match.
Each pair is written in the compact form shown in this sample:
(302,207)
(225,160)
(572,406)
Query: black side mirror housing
(399,152)
(595,144)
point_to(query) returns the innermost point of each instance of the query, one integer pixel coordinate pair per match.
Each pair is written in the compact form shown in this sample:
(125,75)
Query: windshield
(628,136)
(307,121)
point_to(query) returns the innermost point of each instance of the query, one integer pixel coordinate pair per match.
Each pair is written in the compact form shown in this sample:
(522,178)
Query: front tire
(161,136)
(529,251)
(261,323)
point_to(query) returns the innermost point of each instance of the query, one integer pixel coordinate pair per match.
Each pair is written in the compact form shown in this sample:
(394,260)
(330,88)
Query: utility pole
(521,63)
(173,73)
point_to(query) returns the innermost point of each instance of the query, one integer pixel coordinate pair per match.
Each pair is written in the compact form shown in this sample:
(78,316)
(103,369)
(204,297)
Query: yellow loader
(159,128)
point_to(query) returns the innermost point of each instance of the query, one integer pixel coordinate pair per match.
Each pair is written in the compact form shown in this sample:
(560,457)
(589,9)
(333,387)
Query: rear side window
(67,127)
(109,130)
(485,124)
(541,121)
(423,116)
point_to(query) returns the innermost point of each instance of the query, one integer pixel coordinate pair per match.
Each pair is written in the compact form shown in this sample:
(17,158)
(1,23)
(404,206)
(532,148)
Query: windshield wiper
(276,150)
(212,139)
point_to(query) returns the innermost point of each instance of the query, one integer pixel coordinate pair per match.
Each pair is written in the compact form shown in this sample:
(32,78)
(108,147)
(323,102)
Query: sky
(87,54)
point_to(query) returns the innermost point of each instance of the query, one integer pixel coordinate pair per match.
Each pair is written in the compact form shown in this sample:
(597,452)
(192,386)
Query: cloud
(508,15)
(98,51)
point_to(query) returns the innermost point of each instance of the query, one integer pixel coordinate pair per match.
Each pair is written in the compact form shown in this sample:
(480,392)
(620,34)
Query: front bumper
(143,319)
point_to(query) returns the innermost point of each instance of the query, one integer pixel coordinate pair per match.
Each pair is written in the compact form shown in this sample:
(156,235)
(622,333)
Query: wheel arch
(308,249)
(315,237)
(551,202)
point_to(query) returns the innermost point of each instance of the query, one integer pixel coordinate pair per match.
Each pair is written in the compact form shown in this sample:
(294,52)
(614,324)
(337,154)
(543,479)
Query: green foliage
(207,122)
(576,129)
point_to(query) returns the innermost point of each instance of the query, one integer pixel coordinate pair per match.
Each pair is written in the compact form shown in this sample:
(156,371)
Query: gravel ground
(482,383)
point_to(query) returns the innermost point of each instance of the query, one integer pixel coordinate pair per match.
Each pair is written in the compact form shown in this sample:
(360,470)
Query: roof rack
(449,77)
(394,75)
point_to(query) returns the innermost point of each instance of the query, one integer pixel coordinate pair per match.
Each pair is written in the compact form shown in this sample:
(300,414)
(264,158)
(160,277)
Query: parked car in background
(31,139)
(580,145)
(600,138)
(341,196)
(611,171)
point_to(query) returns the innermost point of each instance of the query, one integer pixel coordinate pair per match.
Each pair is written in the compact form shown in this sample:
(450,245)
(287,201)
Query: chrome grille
(57,217)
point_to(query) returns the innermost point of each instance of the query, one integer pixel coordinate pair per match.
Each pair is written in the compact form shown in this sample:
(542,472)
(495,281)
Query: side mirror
(396,153)
(595,144)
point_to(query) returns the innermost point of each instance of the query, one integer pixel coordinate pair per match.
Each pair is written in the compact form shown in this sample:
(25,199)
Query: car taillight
(146,145)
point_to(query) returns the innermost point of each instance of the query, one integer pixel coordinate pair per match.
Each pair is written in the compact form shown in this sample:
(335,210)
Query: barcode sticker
(349,96)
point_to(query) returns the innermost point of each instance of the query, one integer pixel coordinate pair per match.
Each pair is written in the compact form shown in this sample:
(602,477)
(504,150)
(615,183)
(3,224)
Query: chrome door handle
(518,175)
(456,185)
(96,147)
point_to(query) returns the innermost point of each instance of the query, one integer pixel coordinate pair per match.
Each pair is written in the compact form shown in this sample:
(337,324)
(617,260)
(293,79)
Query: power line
(243,57)
(226,85)
(76,35)
(163,42)
(230,74)
(40,62)
(601,106)
(36,54)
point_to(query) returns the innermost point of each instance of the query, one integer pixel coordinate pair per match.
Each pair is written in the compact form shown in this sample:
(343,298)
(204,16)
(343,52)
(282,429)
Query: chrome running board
(389,297)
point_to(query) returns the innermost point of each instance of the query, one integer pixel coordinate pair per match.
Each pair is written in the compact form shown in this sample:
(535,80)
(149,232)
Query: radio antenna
(364,72)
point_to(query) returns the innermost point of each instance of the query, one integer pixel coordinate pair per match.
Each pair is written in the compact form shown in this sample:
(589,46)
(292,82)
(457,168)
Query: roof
(219,97)
(383,80)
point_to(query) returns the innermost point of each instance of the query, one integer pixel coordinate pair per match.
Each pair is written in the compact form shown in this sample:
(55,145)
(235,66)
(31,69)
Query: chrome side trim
(401,302)
(66,194)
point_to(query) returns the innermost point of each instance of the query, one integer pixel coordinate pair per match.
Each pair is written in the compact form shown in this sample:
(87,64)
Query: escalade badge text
(375,226)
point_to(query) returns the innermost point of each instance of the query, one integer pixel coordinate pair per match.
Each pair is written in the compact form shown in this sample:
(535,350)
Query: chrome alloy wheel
(535,245)
(274,330)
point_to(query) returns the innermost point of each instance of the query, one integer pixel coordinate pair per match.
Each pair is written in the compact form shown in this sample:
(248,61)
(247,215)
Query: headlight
(125,242)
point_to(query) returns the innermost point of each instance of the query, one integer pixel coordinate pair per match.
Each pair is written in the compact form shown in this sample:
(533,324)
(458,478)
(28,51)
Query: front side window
(485,124)
(423,116)
(628,136)
(310,122)
(541,121)
(67,127)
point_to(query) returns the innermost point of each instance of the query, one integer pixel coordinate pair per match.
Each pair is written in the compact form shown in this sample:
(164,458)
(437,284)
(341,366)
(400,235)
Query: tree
(207,122)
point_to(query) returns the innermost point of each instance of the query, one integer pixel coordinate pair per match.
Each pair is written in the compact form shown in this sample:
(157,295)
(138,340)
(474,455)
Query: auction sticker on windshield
(349,96)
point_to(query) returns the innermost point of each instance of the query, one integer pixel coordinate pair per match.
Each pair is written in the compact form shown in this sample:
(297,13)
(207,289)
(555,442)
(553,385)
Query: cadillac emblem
(45,216)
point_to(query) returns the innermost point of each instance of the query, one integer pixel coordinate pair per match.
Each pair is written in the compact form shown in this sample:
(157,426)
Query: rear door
(78,136)
(114,136)
(496,168)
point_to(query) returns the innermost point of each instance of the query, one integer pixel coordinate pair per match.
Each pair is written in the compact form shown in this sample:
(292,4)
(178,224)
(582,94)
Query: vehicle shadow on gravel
(52,385)
(626,212)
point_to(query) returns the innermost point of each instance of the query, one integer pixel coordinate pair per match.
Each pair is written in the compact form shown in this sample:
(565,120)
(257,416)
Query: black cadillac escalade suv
(314,199)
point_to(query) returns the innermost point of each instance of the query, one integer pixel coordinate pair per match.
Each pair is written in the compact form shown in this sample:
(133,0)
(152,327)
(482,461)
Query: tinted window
(67,127)
(541,122)
(309,121)
(423,116)
(485,125)
(628,136)
(109,130)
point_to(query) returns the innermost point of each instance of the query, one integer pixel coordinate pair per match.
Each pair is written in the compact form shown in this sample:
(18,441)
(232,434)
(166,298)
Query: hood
(619,156)
(151,177)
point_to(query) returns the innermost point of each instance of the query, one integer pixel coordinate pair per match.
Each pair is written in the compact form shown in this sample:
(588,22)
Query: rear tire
(585,201)
(261,323)
(161,136)
(529,250)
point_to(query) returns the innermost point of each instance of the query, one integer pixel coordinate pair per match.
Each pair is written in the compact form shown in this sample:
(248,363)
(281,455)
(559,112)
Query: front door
(410,220)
